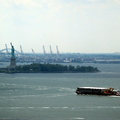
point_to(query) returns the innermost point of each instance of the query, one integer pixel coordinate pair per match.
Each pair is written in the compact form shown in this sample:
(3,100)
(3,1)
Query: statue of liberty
(12,51)
(12,65)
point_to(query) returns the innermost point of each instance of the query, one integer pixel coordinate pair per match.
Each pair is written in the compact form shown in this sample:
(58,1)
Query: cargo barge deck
(97,91)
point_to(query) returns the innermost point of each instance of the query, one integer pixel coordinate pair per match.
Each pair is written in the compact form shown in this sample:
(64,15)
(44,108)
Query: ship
(97,91)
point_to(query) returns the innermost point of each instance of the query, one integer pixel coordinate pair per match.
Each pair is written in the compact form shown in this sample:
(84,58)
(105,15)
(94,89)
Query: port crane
(21,49)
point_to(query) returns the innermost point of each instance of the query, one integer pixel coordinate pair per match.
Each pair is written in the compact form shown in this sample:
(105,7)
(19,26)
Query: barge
(97,91)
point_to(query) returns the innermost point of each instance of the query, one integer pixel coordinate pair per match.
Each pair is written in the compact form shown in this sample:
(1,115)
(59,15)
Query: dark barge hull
(96,91)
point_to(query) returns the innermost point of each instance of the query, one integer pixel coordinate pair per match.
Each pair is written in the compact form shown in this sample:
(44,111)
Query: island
(50,68)
(44,68)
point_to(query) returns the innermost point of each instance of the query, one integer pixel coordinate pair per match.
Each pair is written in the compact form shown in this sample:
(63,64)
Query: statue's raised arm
(12,51)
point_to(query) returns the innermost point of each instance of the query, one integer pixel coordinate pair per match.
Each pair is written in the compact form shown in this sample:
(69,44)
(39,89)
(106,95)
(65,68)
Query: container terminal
(57,57)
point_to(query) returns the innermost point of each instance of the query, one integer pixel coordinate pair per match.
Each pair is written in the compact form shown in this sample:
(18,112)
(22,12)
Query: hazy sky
(82,26)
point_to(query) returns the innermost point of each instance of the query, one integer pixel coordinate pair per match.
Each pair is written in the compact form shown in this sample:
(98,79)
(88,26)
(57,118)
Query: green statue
(12,51)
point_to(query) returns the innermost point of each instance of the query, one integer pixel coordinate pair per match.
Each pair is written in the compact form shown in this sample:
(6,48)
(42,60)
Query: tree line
(53,68)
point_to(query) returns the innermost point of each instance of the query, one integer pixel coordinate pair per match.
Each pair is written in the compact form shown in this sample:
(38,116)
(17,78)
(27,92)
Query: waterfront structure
(58,57)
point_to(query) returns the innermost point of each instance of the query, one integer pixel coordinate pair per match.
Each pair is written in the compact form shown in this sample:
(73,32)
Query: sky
(75,26)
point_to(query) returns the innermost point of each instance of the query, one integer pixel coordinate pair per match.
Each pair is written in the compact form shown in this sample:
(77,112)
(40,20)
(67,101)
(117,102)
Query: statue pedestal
(12,63)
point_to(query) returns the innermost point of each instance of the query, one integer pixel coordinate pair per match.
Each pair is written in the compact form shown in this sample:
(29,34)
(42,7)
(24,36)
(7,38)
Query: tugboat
(97,91)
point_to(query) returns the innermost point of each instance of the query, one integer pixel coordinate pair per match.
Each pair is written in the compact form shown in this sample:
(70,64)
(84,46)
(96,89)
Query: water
(52,96)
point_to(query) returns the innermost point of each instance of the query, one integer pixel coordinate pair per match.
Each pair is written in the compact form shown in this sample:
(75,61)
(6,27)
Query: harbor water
(51,96)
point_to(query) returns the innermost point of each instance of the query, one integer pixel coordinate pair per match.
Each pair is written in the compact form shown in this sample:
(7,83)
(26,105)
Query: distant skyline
(75,26)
